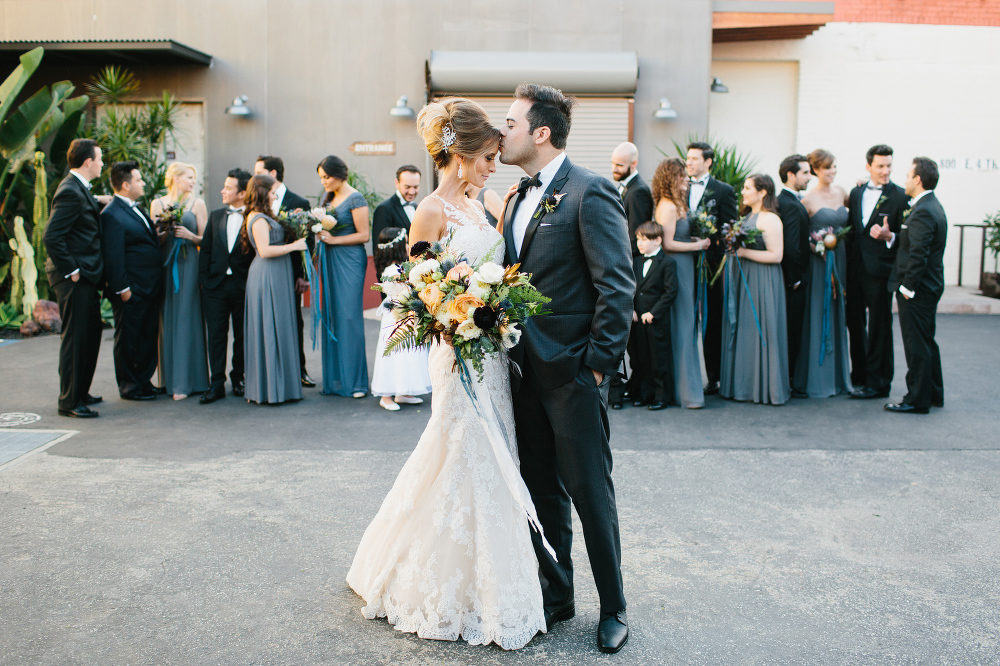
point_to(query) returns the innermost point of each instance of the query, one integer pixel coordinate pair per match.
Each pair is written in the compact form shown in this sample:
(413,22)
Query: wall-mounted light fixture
(402,109)
(665,112)
(718,86)
(239,107)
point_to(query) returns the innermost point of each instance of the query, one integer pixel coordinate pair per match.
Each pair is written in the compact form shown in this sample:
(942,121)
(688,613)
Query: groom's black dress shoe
(239,389)
(159,390)
(81,412)
(711,388)
(937,403)
(616,405)
(612,632)
(867,393)
(904,408)
(657,406)
(92,399)
(642,402)
(212,394)
(307,381)
(559,613)
(138,395)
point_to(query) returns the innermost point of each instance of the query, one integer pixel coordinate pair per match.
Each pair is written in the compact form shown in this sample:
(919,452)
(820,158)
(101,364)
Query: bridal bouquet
(734,236)
(297,223)
(703,222)
(827,238)
(170,218)
(439,296)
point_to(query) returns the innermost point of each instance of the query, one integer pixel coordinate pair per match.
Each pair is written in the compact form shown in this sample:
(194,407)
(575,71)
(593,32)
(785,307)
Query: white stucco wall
(923,89)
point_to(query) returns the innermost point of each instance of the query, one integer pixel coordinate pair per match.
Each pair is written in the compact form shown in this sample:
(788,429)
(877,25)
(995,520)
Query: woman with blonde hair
(449,554)
(670,185)
(183,368)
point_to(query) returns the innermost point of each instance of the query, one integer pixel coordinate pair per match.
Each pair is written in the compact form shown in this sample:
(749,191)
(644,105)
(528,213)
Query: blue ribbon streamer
(831,275)
(172,262)
(326,314)
(753,308)
(313,300)
(701,300)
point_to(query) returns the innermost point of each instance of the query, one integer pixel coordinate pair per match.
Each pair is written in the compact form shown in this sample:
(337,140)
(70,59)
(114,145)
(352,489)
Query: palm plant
(363,184)
(729,166)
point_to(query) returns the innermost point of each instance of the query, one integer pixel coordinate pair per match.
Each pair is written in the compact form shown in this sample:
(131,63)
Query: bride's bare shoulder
(428,220)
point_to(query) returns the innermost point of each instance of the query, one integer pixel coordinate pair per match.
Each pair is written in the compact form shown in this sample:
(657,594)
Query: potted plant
(989,283)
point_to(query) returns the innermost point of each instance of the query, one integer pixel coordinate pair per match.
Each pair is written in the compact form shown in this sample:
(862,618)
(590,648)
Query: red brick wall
(934,12)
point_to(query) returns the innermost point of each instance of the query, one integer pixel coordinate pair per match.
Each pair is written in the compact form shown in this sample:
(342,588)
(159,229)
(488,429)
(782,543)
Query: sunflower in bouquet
(439,296)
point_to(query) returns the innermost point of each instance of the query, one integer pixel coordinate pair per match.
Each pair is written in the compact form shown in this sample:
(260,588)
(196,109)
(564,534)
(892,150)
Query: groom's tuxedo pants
(565,453)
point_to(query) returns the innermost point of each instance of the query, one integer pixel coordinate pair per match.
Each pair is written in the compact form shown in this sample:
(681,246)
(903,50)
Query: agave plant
(112,86)
(729,166)
(363,184)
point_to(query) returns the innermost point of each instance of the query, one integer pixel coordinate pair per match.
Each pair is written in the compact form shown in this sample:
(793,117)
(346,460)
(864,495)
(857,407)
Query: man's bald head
(624,160)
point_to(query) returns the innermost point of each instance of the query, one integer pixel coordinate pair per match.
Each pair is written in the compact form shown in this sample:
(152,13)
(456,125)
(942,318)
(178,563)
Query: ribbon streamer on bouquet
(172,262)
(753,308)
(701,291)
(322,314)
(501,442)
(828,295)
(314,304)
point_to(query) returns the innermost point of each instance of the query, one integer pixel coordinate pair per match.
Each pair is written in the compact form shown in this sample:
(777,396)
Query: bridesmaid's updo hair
(763,183)
(255,201)
(666,183)
(174,170)
(460,121)
(820,159)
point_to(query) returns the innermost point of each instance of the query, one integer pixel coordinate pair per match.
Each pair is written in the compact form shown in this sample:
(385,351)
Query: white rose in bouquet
(422,270)
(468,329)
(489,273)
(511,336)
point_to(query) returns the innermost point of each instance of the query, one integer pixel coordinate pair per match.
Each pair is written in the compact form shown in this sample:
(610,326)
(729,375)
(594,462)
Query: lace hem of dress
(472,628)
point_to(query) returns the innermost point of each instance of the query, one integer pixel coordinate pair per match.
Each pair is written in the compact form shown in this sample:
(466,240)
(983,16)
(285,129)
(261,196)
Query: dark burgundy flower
(485,317)
(419,248)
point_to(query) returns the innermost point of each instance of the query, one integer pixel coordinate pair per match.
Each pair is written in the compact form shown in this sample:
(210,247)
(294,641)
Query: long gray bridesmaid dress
(270,334)
(684,326)
(754,362)
(183,365)
(823,367)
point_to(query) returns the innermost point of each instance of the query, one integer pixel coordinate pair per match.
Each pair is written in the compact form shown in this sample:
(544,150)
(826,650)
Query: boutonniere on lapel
(906,213)
(549,203)
(881,200)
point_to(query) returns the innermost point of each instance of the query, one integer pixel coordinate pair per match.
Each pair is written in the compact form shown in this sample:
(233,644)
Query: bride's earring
(459,169)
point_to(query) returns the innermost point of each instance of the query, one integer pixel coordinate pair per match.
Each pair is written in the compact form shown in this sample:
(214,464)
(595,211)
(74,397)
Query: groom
(566,226)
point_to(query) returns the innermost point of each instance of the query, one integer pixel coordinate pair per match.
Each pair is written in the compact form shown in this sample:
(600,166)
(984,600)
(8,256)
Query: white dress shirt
(696,191)
(649,261)
(234,221)
(408,206)
(623,184)
(869,199)
(797,195)
(909,293)
(134,206)
(531,198)
(279,194)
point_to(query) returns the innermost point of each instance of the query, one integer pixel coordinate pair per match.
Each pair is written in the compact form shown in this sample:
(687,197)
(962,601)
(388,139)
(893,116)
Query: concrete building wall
(923,89)
(322,74)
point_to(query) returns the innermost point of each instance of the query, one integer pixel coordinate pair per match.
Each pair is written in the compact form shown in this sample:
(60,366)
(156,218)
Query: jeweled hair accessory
(400,236)
(448,136)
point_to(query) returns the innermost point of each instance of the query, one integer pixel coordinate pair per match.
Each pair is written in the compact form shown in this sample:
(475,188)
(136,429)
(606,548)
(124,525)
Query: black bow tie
(410,204)
(702,180)
(235,210)
(526,182)
(872,186)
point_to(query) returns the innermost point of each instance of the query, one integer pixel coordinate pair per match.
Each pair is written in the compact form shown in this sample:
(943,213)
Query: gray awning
(134,51)
(502,71)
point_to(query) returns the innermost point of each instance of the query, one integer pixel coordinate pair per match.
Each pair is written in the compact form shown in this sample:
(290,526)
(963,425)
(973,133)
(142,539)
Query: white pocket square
(545,224)
(903,227)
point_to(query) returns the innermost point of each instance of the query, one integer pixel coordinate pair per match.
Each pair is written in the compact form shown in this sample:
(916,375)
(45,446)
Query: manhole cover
(17,419)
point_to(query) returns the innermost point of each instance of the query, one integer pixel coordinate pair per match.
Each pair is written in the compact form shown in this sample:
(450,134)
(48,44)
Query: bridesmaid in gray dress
(183,365)
(670,183)
(823,367)
(754,328)
(343,263)
(270,334)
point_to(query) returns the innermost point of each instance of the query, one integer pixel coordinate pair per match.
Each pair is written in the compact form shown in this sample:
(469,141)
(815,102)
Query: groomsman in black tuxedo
(223,263)
(795,173)
(918,280)
(638,202)
(397,210)
(285,199)
(134,273)
(876,213)
(75,269)
(719,199)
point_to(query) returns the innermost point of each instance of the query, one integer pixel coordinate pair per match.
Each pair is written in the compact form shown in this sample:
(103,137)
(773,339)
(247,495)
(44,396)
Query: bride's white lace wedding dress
(449,553)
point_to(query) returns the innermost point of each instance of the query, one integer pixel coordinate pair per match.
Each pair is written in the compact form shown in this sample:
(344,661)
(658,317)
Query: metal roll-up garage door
(599,124)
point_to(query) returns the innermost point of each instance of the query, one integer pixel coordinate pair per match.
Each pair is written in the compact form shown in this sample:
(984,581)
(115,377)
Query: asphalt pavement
(819,532)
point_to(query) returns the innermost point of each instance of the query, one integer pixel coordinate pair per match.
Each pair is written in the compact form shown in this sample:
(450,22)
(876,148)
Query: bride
(449,553)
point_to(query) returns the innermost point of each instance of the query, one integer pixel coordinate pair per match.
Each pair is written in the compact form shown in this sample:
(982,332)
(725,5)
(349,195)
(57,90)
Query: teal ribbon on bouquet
(172,262)
(831,275)
(501,442)
(322,314)
(701,292)
(729,298)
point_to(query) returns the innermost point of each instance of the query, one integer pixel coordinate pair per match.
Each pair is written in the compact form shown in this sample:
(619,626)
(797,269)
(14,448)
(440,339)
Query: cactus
(40,216)
(23,291)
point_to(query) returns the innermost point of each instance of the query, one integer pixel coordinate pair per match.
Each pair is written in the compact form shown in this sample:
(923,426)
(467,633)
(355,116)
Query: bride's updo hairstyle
(459,122)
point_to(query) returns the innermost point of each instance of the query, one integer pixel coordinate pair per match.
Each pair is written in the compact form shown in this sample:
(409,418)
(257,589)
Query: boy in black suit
(656,290)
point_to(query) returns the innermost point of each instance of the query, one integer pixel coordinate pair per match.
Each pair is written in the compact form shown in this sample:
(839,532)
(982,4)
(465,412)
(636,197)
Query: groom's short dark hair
(549,108)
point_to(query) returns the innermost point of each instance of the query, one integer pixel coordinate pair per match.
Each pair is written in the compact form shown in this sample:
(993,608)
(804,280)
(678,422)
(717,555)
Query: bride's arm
(428,223)
(503,211)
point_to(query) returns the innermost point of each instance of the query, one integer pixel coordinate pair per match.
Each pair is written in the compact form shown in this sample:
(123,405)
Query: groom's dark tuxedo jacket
(215,258)
(920,262)
(876,257)
(73,233)
(131,251)
(579,256)
(389,213)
